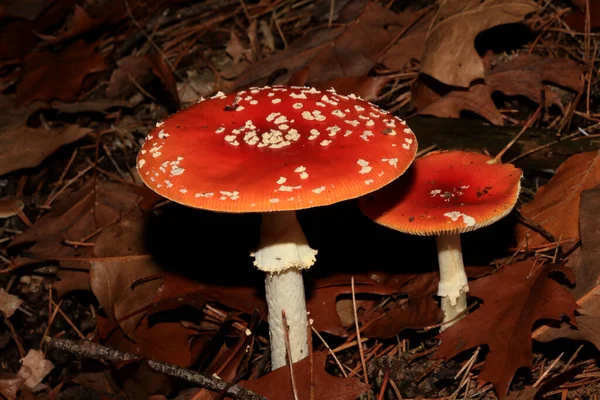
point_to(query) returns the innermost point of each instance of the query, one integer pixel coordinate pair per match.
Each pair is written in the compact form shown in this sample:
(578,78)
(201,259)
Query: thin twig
(360,349)
(85,349)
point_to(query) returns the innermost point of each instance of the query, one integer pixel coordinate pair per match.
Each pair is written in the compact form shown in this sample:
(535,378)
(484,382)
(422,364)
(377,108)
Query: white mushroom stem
(453,286)
(283,253)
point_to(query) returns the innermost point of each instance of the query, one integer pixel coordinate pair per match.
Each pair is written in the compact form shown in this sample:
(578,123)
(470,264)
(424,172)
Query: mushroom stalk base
(283,253)
(453,286)
(285,291)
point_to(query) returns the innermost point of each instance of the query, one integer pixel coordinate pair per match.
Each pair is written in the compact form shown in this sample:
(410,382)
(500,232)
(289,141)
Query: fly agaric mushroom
(447,193)
(275,150)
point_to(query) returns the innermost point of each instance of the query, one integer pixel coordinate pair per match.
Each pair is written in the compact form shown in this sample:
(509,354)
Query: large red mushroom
(445,194)
(275,150)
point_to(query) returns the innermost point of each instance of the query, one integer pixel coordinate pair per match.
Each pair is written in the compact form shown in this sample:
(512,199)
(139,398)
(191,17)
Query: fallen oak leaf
(34,368)
(25,147)
(526,75)
(277,384)
(514,298)
(9,303)
(321,301)
(349,50)
(166,341)
(477,99)
(585,327)
(58,75)
(450,55)
(586,260)
(556,205)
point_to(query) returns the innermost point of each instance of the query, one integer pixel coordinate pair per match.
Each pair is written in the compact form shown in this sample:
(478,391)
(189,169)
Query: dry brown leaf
(556,204)
(9,386)
(9,303)
(348,50)
(58,75)
(277,384)
(525,75)
(450,55)
(586,261)
(34,368)
(124,286)
(235,48)
(514,298)
(477,99)
(25,147)
(586,325)
(73,217)
(168,342)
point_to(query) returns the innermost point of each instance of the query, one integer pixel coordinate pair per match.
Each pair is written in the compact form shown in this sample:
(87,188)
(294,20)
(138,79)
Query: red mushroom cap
(446,192)
(274,149)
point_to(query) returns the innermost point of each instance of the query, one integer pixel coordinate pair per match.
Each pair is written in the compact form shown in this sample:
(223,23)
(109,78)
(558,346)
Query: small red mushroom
(445,194)
(275,150)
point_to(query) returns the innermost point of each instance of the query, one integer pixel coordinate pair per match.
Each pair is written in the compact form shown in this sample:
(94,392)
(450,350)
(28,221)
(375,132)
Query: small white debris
(273,201)
(159,124)
(435,192)
(369,181)
(206,195)
(220,130)
(184,191)
(248,332)
(319,190)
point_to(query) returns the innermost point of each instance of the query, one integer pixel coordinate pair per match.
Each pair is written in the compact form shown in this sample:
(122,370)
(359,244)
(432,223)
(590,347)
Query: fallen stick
(85,349)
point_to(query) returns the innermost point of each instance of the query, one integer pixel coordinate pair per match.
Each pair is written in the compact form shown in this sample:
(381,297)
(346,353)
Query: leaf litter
(82,83)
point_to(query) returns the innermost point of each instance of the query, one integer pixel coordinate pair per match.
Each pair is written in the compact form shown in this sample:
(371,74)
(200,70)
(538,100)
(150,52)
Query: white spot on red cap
(281,180)
(455,215)
(176,170)
(231,195)
(298,96)
(141,163)
(206,195)
(159,124)
(365,167)
(325,143)
(220,130)
(391,161)
(319,190)
(369,181)
(297,106)
(276,101)
(274,200)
